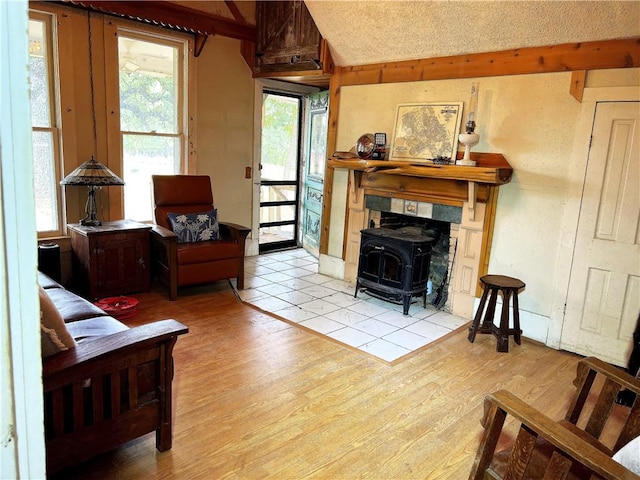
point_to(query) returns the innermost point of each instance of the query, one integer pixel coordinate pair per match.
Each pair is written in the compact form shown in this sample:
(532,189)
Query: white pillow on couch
(54,335)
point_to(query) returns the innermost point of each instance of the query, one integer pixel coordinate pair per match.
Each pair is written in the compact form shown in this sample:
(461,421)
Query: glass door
(315,157)
(279,174)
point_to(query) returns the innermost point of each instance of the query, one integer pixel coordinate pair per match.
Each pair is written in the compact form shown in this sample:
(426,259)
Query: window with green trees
(151,76)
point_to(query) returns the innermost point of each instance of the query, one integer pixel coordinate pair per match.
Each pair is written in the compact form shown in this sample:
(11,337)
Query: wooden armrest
(164,258)
(593,405)
(616,374)
(235,226)
(503,403)
(117,344)
(163,233)
(234,231)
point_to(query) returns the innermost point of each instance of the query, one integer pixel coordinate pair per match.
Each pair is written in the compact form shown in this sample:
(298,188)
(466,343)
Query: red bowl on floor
(119,307)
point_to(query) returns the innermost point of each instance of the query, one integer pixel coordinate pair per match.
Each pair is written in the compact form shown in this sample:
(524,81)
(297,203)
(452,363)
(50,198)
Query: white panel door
(604,288)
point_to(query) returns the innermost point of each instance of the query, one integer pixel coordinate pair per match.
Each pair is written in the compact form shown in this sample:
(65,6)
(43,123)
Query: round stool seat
(509,287)
(501,281)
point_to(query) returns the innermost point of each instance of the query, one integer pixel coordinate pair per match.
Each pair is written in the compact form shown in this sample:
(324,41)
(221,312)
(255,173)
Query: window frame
(55,120)
(186,101)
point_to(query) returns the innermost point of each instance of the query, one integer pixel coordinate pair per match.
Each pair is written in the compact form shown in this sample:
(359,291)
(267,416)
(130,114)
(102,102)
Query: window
(46,155)
(152,98)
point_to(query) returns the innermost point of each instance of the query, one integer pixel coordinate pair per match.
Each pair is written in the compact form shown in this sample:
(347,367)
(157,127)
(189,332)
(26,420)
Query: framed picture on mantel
(425,132)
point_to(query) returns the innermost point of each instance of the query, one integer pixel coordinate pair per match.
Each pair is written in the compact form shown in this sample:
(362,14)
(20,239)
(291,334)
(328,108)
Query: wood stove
(394,265)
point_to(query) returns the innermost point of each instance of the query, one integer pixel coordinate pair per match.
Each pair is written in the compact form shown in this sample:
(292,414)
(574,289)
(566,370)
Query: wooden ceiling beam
(235,11)
(622,53)
(172,16)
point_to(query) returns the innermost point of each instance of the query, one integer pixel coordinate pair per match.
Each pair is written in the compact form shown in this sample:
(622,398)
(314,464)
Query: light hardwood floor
(255,397)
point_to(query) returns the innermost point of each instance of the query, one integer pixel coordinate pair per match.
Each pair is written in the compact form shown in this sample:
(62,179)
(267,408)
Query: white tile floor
(288,285)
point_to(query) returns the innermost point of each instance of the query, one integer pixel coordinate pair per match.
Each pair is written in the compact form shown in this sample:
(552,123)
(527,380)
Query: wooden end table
(111,259)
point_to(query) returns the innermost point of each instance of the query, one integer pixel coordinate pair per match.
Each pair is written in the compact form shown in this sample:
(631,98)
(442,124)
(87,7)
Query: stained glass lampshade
(93,175)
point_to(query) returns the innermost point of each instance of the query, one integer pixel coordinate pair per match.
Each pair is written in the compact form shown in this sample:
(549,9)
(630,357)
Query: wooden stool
(494,284)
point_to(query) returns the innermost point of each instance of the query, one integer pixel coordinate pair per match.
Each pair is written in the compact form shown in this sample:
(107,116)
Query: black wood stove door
(394,265)
(381,265)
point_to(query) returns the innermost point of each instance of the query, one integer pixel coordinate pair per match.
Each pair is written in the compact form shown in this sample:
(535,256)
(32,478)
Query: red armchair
(180,264)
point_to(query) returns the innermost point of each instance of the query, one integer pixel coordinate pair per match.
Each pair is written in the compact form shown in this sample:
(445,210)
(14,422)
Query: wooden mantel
(446,183)
(491,168)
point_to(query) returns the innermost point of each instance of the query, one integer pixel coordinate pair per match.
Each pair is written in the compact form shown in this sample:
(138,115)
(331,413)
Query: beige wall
(224,127)
(532,121)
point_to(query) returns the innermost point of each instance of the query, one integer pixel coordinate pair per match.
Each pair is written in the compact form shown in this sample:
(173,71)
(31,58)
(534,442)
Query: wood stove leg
(406,303)
(355,294)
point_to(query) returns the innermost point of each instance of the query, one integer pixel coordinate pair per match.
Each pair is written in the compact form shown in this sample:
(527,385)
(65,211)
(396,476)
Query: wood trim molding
(235,11)
(332,132)
(487,235)
(621,53)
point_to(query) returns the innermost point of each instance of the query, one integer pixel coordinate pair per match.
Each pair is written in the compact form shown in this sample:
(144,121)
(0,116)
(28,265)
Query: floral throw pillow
(195,227)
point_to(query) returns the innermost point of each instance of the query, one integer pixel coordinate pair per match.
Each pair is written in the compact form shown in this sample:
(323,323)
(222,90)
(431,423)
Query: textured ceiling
(362,31)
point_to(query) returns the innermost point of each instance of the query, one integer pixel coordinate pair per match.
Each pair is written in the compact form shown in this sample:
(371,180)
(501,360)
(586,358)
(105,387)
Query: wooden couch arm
(108,391)
(70,363)
(594,403)
(568,447)
(592,364)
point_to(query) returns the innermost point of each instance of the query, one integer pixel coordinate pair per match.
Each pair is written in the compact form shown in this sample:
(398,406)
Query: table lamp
(470,138)
(94,175)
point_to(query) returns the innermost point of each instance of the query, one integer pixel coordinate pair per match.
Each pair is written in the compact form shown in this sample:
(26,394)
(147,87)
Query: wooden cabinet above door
(288,39)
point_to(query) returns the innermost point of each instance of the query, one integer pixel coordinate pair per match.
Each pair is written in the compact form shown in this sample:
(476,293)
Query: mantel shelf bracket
(354,181)
(471,208)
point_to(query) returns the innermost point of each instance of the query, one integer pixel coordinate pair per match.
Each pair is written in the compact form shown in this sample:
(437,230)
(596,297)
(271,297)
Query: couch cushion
(92,328)
(200,252)
(195,227)
(52,320)
(45,281)
(73,307)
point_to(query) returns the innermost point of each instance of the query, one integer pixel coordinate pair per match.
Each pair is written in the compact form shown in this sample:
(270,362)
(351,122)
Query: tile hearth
(288,285)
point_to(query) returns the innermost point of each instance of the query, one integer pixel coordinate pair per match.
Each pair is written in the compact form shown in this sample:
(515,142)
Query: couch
(104,383)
